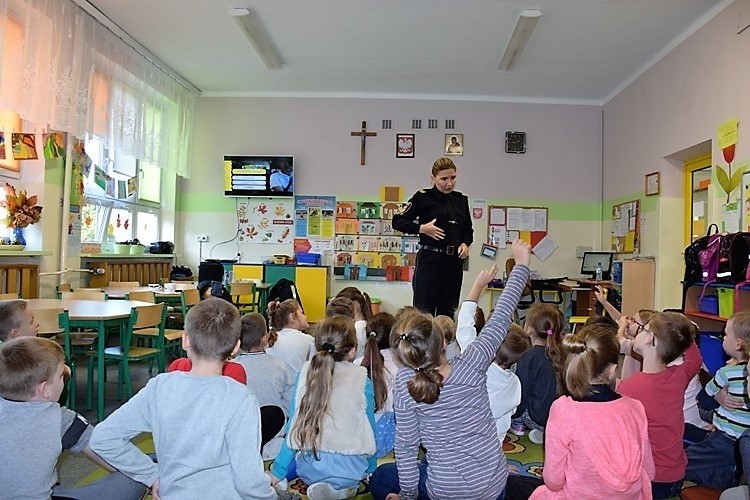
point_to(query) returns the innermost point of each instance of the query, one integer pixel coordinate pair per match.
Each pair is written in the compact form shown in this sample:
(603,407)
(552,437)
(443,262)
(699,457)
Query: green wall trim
(558,210)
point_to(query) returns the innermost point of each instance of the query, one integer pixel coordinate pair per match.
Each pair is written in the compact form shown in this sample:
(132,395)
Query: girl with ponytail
(362,313)
(288,343)
(540,371)
(445,407)
(330,435)
(597,440)
(382,369)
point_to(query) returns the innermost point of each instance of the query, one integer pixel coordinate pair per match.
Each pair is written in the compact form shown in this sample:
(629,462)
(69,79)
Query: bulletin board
(505,224)
(626,227)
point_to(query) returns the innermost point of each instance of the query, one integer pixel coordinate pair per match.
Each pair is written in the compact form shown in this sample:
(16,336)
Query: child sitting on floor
(712,462)
(540,371)
(381,368)
(661,389)
(36,429)
(445,408)
(206,428)
(269,380)
(331,435)
(16,320)
(582,457)
(362,314)
(447,328)
(287,320)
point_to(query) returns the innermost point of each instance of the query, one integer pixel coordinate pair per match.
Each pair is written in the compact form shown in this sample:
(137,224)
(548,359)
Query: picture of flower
(22,209)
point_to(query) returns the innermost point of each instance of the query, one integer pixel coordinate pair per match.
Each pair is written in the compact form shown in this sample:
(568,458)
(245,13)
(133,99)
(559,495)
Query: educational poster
(505,224)
(314,216)
(626,227)
(54,146)
(74,231)
(266,221)
(365,237)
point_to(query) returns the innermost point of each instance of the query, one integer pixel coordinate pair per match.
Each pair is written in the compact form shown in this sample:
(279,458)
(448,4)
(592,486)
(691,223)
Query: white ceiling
(583,51)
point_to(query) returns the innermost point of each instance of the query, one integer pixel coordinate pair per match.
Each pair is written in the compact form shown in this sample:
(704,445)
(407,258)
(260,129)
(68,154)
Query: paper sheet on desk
(544,248)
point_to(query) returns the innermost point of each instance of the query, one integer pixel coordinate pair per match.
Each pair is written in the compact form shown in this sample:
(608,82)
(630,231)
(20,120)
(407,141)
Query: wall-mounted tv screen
(267,176)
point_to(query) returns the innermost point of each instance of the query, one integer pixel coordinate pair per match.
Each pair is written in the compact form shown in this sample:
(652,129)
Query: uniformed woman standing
(441,217)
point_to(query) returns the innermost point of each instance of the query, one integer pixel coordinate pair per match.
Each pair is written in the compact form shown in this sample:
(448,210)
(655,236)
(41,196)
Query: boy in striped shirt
(712,461)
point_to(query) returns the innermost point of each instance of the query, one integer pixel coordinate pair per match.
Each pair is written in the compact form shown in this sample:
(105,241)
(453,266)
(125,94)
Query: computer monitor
(591,259)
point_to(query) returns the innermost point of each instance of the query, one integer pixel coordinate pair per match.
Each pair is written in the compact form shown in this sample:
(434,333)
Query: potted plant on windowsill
(22,212)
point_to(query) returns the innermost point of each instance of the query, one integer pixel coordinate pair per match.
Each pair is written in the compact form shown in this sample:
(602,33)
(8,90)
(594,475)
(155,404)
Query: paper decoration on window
(100,177)
(24,146)
(2,145)
(132,185)
(53,145)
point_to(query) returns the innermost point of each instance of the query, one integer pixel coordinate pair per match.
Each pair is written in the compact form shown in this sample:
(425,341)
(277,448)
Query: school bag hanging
(284,289)
(693,262)
(734,254)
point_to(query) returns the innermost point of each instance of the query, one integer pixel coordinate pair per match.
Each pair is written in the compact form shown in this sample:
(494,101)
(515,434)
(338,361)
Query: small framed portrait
(653,183)
(454,144)
(404,145)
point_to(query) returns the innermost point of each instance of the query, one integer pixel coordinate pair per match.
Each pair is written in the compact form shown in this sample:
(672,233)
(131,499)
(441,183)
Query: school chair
(142,296)
(9,296)
(54,323)
(124,284)
(84,295)
(575,321)
(245,296)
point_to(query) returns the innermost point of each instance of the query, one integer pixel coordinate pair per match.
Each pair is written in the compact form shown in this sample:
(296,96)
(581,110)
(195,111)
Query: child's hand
(155,490)
(485,276)
(393,496)
(512,469)
(730,402)
(521,252)
(600,294)
(622,327)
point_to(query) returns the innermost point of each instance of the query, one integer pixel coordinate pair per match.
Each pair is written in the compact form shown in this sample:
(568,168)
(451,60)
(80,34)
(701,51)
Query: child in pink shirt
(611,458)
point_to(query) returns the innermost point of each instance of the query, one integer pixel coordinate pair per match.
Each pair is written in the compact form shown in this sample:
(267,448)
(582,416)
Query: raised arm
(465,330)
(481,352)
(601,295)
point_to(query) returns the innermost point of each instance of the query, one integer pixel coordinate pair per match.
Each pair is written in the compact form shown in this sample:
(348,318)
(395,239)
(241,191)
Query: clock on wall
(515,142)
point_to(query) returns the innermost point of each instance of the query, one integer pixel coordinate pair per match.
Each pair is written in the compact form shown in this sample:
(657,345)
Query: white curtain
(60,67)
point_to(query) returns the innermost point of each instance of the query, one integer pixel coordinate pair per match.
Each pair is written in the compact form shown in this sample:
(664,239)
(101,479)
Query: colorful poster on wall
(266,221)
(74,231)
(2,145)
(314,216)
(24,146)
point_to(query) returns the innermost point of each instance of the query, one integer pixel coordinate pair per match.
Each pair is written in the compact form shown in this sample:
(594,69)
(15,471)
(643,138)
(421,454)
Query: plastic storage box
(709,304)
(726,302)
(307,259)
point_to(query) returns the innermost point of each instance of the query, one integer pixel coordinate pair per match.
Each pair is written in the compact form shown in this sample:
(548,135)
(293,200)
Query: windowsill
(24,253)
(126,256)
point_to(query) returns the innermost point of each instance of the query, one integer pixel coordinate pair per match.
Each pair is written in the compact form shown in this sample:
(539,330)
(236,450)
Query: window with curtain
(73,74)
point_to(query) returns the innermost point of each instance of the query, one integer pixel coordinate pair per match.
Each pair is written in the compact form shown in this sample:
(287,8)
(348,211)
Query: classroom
(139,151)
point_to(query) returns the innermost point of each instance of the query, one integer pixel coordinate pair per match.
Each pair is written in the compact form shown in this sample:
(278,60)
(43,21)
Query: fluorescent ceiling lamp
(254,31)
(520,37)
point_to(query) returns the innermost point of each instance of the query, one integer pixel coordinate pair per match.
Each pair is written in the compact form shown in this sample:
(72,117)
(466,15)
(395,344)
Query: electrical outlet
(202,238)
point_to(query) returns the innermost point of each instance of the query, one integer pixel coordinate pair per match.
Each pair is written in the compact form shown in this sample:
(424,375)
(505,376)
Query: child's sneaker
(517,428)
(324,491)
(536,436)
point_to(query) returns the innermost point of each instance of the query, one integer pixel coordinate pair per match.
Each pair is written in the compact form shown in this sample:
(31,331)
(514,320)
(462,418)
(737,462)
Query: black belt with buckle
(447,250)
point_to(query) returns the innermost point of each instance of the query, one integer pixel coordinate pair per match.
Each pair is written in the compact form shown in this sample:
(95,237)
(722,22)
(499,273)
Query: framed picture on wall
(404,145)
(653,183)
(454,144)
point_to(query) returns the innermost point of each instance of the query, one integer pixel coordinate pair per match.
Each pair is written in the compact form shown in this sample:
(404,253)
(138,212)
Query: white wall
(675,105)
(562,167)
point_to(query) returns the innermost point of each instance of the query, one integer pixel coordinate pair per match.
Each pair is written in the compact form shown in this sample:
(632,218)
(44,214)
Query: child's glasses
(639,326)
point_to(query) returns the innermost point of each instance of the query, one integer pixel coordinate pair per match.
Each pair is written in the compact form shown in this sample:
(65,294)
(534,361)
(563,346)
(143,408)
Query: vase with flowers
(22,211)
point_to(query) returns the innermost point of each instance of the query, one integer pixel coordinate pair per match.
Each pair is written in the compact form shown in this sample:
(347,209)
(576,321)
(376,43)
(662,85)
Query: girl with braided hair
(287,342)
(331,434)
(444,406)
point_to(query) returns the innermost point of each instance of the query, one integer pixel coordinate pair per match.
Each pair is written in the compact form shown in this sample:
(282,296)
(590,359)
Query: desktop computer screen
(591,259)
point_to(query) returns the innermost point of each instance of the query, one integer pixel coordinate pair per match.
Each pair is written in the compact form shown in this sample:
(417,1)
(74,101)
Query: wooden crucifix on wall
(363,134)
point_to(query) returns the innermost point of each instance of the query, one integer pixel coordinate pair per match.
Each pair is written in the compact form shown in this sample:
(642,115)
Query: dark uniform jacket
(451,212)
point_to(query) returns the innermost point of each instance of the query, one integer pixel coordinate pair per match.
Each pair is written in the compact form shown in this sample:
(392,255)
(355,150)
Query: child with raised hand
(331,434)
(712,462)
(36,429)
(661,389)
(382,369)
(206,427)
(445,408)
(291,345)
(540,371)
(611,460)
(362,314)
(503,386)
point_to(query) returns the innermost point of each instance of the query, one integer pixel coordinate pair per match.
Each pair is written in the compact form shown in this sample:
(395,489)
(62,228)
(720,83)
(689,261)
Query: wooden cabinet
(637,287)
(585,298)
